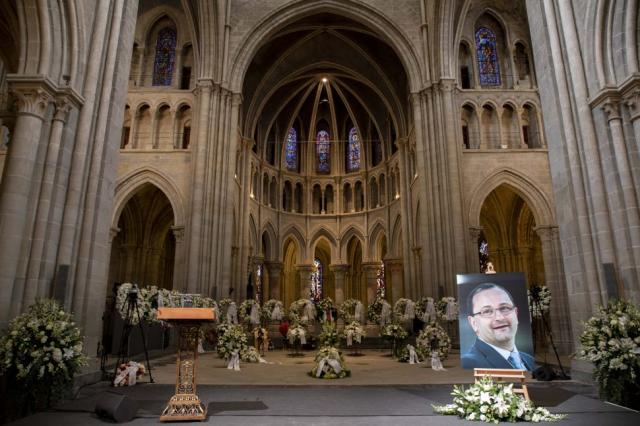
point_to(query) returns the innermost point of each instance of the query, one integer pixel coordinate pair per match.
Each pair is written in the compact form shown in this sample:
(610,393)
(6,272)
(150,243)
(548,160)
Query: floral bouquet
(297,333)
(539,300)
(611,341)
(329,336)
(128,374)
(353,332)
(404,310)
(433,338)
(396,333)
(329,364)
(426,309)
(325,309)
(272,310)
(250,354)
(231,338)
(224,307)
(301,311)
(249,312)
(42,350)
(447,308)
(494,402)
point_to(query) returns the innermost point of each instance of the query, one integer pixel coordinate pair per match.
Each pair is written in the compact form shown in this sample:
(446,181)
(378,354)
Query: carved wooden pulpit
(185,404)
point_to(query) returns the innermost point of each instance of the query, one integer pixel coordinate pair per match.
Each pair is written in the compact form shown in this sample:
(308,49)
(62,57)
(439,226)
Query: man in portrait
(493,316)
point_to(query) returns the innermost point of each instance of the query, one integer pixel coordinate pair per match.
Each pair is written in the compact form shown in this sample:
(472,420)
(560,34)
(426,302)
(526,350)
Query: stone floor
(380,391)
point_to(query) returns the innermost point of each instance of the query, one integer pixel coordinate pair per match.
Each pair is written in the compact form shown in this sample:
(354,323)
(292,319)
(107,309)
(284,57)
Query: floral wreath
(355,329)
(324,370)
(244,311)
(374,310)
(224,306)
(441,308)
(268,307)
(421,306)
(296,332)
(539,300)
(433,335)
(346,308)
(324,306)
(400,309)
(296,310)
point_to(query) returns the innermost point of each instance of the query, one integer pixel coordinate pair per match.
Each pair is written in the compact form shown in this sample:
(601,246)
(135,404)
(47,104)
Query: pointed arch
(294,234)
(323,232)
(395,244)
(269,230)
(537,200)
(376,232)
(254,244)
(130,183)
(346,236)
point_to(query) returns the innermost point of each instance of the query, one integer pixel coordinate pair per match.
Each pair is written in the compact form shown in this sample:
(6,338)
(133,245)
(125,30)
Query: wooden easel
(508,374)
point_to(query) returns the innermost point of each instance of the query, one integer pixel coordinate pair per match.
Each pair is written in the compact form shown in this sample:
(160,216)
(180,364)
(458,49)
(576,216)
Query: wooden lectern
(185,404)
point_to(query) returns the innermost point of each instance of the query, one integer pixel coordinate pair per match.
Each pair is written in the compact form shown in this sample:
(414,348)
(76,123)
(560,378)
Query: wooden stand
(502,374)
(185,404)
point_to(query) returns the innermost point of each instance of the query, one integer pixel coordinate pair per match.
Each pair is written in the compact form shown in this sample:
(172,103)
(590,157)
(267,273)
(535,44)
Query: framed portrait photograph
(494,321)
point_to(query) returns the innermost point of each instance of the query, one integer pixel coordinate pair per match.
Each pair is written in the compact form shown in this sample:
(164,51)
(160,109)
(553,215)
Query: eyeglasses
(489,312)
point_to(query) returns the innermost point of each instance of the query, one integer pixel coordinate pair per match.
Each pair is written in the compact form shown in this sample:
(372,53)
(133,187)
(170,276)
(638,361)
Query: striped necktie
(514,359)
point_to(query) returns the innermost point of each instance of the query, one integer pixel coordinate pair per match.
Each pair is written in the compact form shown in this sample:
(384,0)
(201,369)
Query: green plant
(611,342)
(329,335)
(41,351)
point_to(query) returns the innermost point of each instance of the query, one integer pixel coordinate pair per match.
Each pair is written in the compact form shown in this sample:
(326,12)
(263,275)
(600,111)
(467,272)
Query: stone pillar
(339,274)
(305,280)
(32,98)
(559,318)
(275,281)
(135,118)
(612,108)
(473,255)
(179,259)
(35,285)
(371,274)
(395,285)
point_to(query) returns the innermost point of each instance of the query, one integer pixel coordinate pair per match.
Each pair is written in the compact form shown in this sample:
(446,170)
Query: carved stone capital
(611,106)
(178,233)
(547,233)
(447,84)
(339,268)
(63,106)
(274,268)
(474,233)
(32,100)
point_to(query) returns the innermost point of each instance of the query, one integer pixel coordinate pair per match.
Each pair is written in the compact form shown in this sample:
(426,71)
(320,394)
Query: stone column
(34,286)
(305,280)
(371,274)
(612,108)
(275,281)
(179,259)
(135,118)
(395,285)
(33,98)
(559,318)
(473,255)
(339,274)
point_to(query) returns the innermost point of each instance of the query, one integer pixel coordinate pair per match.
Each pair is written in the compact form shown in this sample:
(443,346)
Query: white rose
(57,354)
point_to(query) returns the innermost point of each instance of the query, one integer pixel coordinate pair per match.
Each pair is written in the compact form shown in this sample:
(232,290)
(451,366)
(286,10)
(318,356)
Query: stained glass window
(381,285)
(323,149)
(259,284)
(291,150)
(316,280)
(353,151)
(165,57)
(487,53)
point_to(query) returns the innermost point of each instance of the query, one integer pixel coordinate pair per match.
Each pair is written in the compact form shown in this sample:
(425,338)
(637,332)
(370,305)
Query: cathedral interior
(280,149)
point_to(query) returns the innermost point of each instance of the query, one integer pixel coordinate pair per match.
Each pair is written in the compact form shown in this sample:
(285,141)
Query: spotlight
(325,79)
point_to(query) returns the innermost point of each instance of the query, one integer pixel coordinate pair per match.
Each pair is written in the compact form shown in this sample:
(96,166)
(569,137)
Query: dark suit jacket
(482,355)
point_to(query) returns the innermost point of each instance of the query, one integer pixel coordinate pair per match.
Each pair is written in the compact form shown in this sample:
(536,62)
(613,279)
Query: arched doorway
(291,278)
(508,230)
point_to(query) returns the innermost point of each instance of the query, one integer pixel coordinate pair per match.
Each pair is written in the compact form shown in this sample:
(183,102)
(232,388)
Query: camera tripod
(546,332)
(132,309)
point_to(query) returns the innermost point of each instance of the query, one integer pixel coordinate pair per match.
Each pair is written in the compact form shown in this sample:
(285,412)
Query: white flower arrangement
(611,341)
(347,310)
(329,364)
(394,332)
(297,333)
(539,300)
(353,332)
(250,312)
(404,310)
(42,348)
(329,335)
(447,308)
(494,402)
(433,337)
(249,354)
(301,311)
(272,310)
(224,307)
(231,338)
(426,309)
